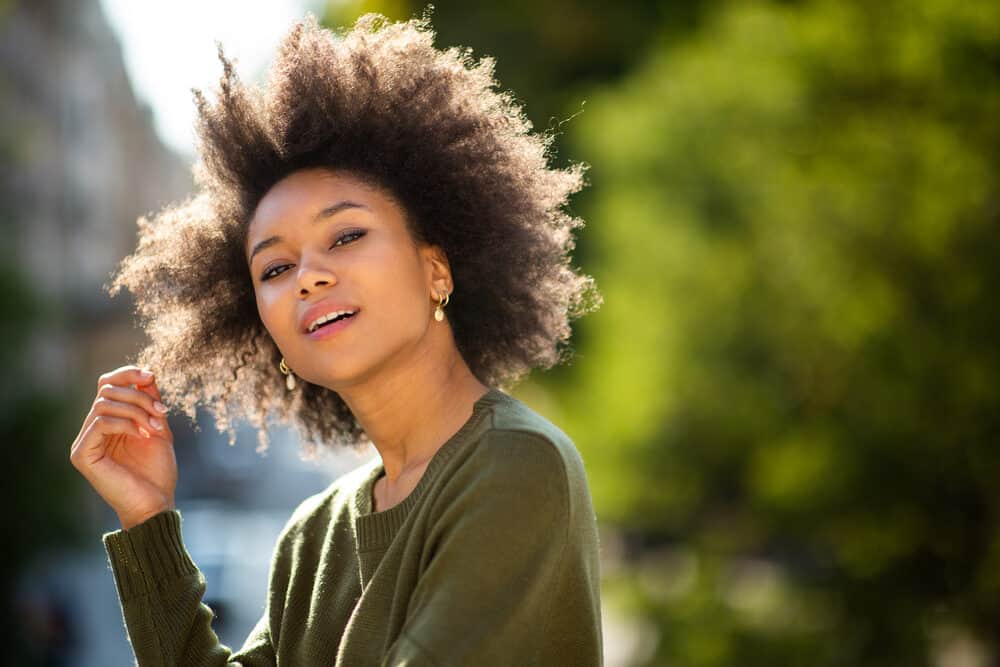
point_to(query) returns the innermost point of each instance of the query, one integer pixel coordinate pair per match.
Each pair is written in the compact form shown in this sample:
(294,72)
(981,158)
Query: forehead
(306,191)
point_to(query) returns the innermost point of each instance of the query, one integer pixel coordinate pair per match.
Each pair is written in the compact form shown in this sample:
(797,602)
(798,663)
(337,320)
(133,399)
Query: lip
(323,308)
(332,329)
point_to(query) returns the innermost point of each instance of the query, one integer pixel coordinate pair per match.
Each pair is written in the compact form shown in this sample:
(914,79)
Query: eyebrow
(325,213)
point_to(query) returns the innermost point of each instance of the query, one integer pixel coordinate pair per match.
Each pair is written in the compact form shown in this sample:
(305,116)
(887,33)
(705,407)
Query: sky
(169,48)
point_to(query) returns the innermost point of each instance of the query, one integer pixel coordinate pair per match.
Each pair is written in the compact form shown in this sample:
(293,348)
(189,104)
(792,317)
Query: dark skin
(125,448)
(397,368)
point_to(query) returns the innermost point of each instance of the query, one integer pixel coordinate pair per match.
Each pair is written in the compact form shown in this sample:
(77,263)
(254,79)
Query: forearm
(160,589)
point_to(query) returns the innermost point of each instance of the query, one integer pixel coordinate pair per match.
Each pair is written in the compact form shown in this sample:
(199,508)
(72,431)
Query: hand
(121,452)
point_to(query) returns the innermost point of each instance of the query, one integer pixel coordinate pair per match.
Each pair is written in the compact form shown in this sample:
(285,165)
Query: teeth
(329,316)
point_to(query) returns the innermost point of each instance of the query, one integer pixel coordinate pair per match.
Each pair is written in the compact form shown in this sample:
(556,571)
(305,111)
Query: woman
(375,248)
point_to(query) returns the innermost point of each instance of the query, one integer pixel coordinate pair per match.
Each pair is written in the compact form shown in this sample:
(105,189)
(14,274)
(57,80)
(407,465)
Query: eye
(357,233)
(273,271)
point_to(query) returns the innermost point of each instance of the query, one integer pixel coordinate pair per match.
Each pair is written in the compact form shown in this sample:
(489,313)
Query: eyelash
(270,273)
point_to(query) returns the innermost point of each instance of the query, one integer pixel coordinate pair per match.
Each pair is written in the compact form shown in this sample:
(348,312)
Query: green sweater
(491,560)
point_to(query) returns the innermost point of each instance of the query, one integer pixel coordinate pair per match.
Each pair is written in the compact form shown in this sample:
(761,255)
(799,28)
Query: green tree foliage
(37,427)
(548,53)
(791,397)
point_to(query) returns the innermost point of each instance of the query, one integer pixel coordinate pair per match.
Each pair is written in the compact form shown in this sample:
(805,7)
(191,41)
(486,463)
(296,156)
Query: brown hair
(426,125)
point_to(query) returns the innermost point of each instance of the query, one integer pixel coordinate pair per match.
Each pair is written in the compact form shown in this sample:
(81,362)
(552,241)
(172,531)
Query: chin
(340,374)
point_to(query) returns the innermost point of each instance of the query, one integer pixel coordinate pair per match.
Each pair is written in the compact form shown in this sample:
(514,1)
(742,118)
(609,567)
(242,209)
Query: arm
(511,578)
(160,590)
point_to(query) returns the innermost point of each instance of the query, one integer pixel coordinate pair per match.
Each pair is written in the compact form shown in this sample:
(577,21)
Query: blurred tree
(43,491)
(791,396)
(549,53)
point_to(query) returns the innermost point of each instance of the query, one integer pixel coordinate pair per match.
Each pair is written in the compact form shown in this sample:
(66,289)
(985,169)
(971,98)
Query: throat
(380,502)
(384,498)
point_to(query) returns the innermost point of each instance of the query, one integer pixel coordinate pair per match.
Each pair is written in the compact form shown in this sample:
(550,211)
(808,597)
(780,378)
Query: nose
(312,276)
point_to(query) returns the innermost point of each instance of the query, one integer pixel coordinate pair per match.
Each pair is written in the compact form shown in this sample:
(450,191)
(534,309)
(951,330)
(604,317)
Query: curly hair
(424,125)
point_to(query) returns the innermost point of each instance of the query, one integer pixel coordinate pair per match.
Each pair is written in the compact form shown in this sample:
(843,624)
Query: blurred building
(85,163)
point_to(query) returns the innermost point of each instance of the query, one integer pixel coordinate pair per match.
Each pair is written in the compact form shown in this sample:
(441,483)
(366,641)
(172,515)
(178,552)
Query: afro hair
(426,126)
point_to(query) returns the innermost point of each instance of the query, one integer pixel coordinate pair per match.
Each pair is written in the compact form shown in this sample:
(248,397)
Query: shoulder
(512,415)
(519,433)
(521,452)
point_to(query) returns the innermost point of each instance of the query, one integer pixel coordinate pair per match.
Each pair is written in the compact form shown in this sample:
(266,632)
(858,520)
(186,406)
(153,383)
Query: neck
(412,413)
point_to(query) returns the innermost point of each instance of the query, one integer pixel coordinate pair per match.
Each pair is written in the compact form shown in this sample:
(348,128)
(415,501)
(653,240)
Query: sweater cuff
(148,555)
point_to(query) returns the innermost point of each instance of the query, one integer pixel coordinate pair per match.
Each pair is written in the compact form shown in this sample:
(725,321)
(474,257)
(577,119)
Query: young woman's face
(323,241)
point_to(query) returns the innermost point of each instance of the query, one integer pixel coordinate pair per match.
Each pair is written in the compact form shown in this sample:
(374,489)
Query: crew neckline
(376,529)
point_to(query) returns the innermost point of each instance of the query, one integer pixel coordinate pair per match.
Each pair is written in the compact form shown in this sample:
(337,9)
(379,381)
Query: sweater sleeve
(160,590)
(511,573)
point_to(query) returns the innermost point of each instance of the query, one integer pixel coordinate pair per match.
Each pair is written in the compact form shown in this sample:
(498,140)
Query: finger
(134,396)
(90,447)
(142,419)
(155,399)
(109,425)
(126,375)
(151,390)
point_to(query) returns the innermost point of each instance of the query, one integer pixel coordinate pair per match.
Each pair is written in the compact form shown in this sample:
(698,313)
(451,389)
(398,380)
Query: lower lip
(332,329)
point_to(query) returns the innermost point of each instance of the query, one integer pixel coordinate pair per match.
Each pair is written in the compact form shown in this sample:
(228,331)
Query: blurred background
(788,406)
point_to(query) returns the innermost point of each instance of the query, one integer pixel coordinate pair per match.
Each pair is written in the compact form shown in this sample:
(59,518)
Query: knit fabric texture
(492,559)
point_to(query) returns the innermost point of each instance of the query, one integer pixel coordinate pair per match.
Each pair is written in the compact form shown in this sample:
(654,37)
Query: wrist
(132,520)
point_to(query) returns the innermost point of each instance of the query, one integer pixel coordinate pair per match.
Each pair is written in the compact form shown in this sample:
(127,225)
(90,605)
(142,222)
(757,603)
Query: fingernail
(144,373)
(160,407)
(156,423)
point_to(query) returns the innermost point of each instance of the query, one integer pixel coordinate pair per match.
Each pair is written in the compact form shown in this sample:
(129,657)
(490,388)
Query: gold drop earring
(289,376)
(439,311)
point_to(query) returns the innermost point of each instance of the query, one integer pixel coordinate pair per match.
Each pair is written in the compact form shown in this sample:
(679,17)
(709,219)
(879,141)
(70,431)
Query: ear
(438,271)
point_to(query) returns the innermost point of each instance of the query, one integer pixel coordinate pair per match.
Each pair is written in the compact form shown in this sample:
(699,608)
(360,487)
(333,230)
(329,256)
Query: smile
(332,327)
(323,319)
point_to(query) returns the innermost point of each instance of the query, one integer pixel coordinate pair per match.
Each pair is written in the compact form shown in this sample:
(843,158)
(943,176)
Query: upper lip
(323,308)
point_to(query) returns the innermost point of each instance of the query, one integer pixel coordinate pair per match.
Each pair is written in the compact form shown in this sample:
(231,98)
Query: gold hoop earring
(289,376)
(439,311)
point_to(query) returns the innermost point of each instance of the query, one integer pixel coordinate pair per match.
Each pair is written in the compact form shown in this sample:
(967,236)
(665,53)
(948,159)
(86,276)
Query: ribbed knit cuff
(148,555)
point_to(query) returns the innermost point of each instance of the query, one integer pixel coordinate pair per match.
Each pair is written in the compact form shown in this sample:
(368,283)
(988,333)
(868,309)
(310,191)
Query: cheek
(271,311)
(403,287)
